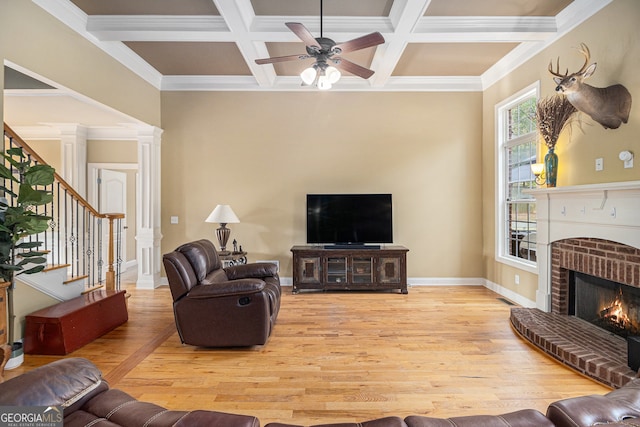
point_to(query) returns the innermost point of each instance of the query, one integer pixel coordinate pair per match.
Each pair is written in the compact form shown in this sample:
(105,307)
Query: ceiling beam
(239,14)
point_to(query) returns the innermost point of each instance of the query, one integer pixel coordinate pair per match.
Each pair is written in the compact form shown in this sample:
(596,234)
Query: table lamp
(223,214)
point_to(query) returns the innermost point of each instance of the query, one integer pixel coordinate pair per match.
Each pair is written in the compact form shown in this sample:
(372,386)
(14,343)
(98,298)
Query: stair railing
(77,236)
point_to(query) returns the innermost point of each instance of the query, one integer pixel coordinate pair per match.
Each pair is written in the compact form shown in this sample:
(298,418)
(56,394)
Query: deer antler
(557,73)
(584,50)
(587,56)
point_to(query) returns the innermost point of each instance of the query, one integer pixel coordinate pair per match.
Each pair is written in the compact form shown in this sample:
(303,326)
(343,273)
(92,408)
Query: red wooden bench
(69,325)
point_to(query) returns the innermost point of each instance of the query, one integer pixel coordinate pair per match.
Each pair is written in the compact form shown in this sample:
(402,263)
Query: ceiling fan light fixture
(308,76)
(333,74)
(324,83)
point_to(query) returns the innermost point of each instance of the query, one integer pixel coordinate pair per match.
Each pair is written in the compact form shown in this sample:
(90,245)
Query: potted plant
(22,185)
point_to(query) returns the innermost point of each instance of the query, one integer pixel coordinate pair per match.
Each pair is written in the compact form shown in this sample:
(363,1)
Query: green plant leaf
(15,151)
(5,173)
(33,270)
(28,245)
(30,196)
(10,267)
(39,175)
(26,261)
(33,256)
(7,191)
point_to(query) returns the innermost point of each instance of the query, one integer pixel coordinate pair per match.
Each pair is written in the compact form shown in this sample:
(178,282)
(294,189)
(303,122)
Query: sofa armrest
(591,410)
(629,393)
(256,269)
(522,418)
(380,422)
(118,408)
(231,287)
(67,382)
(216,419)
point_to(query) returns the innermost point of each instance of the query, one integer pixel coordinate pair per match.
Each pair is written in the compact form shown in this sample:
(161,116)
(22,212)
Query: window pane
(521,230)
(519,152)
(521,119)
(519,160)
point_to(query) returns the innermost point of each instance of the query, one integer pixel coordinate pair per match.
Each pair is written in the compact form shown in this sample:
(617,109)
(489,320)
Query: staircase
(83,246)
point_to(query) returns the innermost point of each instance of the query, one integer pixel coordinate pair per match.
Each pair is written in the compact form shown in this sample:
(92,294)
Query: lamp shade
(309,75)
(222,214)
(333,74)
(537,168)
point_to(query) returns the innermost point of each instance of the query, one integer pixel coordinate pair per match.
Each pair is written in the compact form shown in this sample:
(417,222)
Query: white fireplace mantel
(609,211)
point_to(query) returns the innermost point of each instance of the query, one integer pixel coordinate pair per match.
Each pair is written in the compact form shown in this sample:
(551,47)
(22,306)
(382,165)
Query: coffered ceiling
(429,44)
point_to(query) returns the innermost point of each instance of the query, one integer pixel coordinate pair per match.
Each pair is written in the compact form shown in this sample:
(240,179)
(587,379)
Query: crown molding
(54,131)
(250,32)
(159,28)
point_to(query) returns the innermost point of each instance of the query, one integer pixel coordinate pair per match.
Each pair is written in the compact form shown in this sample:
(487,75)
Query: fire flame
(615,313)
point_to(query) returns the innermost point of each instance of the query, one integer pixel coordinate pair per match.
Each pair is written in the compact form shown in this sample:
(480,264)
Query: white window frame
(501,252)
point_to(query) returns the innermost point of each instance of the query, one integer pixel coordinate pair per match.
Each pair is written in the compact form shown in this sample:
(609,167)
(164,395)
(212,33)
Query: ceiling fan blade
(303,34)
(352,68)
(281,59)
(363,42)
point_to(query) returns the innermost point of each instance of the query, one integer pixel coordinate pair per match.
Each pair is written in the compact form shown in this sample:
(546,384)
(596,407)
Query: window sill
(528,266)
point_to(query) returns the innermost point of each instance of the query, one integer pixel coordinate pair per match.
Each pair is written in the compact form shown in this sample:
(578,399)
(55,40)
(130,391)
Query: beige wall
(52,50)
(49,150)
(612,36)
(263,152)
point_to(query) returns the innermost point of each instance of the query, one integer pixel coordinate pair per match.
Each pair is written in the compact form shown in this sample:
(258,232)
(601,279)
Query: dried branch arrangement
(552,114)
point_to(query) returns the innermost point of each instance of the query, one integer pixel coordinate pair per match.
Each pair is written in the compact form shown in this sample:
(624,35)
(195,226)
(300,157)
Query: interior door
(112,189)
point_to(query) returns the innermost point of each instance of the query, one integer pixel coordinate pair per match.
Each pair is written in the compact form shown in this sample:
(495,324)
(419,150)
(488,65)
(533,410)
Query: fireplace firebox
(612,306)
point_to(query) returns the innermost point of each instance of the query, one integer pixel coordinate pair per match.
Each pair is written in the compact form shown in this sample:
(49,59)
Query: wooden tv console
(315,267)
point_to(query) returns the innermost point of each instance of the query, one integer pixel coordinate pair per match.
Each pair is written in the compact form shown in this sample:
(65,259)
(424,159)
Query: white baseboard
(509,294)
(456,281)
(445,281)
(422,281)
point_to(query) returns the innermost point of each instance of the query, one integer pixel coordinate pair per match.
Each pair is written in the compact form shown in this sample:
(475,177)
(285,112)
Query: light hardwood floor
(340,357)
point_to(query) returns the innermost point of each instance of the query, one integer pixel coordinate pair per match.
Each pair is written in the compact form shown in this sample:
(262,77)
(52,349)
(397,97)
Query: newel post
(111,273)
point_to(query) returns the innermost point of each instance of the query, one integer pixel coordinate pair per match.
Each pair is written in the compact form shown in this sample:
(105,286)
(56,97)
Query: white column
(148,232)
(73,144)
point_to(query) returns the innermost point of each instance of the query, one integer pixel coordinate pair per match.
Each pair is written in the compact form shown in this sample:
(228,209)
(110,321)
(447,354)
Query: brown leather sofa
(76,386)
(619,408)
(523,418)
(221,307)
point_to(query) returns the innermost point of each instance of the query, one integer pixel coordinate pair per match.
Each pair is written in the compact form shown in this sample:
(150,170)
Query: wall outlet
(174,220)
(599,164)
(517,279)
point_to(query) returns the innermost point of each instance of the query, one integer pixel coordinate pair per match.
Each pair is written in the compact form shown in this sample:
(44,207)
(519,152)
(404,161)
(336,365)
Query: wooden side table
(232,258)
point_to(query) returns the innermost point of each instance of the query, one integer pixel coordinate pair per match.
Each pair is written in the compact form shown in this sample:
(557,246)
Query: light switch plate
(174,220)
(599,164)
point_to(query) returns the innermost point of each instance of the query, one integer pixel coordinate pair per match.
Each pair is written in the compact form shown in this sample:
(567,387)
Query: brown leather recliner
(213,306)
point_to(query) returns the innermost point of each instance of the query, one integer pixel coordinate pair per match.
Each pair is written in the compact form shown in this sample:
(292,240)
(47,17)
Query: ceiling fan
(324,72)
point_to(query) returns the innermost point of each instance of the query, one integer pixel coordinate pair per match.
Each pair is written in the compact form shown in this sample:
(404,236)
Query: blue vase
(551,167)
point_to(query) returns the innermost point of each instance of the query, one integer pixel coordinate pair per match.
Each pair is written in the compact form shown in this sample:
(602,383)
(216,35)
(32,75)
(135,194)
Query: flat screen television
(349,219)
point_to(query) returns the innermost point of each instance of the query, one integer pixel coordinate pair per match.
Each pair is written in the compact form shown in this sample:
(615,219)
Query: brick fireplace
(596,257)
(591,229)
(594,229)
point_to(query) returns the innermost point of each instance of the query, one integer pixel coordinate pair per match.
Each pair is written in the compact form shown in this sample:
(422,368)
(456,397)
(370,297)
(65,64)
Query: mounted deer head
(608,106)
